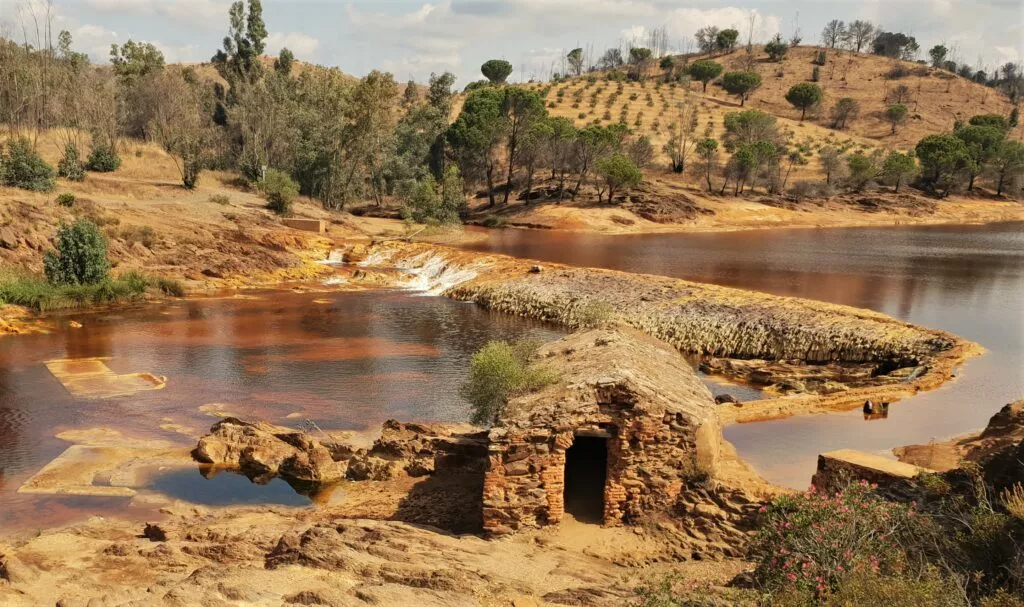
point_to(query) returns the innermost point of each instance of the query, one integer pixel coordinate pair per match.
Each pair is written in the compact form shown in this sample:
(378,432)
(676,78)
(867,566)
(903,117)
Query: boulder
(261,450)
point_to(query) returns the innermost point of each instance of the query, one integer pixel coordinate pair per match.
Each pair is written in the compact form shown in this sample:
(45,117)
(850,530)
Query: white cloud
(302,45)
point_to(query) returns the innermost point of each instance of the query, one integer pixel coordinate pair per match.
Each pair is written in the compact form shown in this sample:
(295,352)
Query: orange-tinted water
(966,279)
(353,363)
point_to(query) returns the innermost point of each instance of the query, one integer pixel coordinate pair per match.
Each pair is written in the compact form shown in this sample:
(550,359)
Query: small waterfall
(335,257)
(432,274)
(375,259)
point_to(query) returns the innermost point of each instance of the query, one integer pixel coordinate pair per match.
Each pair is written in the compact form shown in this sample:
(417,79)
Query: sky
(412,38)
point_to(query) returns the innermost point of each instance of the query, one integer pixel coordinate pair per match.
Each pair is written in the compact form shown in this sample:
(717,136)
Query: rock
(154,533)
(536,269)
(8,238)
(722,399)
(14,571)
(261,450)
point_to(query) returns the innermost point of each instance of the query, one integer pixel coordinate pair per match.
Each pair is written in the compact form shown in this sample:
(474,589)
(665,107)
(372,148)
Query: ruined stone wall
(649,461)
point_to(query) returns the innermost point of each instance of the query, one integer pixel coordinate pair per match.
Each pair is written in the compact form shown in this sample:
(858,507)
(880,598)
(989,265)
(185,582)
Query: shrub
(279,189)
(816,74)
(170,287)
(191,167)
(70,165)
(80,257)
(495,221)
(500,371)
(42,296)
(23,168)
(802,190)
(811,543)
(103,159)
(220,199)
(428,202)
(819,59)
(67,199)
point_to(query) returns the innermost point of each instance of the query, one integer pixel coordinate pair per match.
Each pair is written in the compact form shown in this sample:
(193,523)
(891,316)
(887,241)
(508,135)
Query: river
(968,280)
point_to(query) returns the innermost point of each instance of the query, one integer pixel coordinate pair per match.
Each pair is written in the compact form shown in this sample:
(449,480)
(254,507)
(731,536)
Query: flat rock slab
(877,463)
(100,467)
(92,378)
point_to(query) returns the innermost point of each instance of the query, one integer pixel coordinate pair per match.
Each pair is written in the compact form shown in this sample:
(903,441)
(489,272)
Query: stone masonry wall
(649,460)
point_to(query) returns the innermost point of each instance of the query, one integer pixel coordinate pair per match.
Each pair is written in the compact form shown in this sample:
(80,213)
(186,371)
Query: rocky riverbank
(819,356)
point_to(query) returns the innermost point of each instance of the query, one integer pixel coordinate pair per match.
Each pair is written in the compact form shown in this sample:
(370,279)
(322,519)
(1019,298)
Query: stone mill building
(617,436)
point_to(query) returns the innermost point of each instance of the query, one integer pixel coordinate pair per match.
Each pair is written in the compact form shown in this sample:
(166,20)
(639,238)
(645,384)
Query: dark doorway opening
(586,465)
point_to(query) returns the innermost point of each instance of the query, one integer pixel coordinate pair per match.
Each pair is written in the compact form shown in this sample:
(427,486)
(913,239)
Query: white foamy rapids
(334,280)
(431,274)
(377,258)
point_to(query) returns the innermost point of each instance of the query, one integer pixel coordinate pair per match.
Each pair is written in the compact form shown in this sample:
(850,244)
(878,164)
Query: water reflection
(352,363)
(965,279)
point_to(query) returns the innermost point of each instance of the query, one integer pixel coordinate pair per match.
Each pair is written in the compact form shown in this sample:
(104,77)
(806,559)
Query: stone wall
(657,439)
(837,469)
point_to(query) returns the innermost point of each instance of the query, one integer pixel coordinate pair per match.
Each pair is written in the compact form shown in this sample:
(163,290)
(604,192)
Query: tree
(707,153)
(475,135)
(593,143)
(943,158)
(70,166)
(498,372)
(831,161)
(898,168)
(776,48)
(862,169)
(741,84)
(133,61)
(995,120)
(521,109)
(938,55)
(238,61)
(750,127)
(369,131)
(804,96)
(859,34)
(182,124)
(575,58)
(618,172)
(726,39)
(284,62)
(639,58)
(611,59)
(835,31)
(559,148)
(705,71)
(896,115)
(983,143)
(496,71)
(640,151)
(895,45)
(668,64)
(845,110)
(1008,163)
(680,139)
(707,38)
(80,257)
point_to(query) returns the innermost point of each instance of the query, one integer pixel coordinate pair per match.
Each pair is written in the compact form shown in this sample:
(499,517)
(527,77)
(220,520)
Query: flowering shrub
(812,542)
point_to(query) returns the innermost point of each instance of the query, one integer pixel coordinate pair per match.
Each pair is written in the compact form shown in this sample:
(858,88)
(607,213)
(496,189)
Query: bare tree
(834,32)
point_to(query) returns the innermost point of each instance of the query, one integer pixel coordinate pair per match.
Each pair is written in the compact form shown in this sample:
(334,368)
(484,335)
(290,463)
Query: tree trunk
(743,100)
(970,184)
(490,185)
(897,190)
(708,176)
(511,170)
(529,184)
(803,112)
(999,188)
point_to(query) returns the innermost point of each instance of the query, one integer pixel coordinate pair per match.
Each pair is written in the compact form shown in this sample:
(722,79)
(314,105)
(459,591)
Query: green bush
(80,258)
(23,168)
(67,199)
(191,167)
(70,165)
(500,371)
(279,189)
(37,294)
(103,159)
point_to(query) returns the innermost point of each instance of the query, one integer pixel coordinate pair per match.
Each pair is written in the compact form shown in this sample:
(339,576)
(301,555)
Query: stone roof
(602,366)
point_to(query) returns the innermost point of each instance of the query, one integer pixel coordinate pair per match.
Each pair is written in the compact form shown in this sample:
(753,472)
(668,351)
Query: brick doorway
(586,468)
